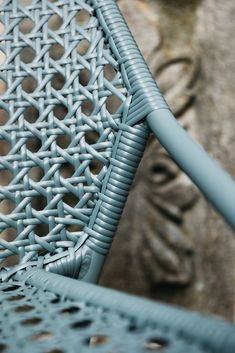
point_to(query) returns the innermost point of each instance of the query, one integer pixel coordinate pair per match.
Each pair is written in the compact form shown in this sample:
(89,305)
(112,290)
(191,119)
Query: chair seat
(49,313)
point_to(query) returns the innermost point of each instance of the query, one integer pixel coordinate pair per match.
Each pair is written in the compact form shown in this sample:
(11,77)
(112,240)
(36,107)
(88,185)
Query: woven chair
(77,101)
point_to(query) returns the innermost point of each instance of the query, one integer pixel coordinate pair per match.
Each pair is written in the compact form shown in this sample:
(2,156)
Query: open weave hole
(62,99)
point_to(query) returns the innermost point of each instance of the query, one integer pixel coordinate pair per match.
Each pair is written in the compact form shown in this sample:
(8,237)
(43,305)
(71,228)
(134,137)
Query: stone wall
(171,245)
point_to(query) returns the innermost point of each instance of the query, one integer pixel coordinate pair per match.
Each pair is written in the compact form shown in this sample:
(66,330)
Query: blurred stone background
(171,245)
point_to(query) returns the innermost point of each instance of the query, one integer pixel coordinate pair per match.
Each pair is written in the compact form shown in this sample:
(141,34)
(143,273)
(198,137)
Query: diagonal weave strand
(65,147)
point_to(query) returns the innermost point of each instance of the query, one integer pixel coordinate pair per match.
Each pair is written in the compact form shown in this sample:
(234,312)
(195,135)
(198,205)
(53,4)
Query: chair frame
(46,277)
(145,101)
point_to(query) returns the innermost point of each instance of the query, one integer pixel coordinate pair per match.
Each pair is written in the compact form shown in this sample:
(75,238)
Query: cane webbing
(67,153)
(87,318)
(38,321)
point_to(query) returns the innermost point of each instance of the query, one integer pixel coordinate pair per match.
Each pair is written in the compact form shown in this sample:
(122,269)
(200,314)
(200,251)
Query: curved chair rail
(45,312)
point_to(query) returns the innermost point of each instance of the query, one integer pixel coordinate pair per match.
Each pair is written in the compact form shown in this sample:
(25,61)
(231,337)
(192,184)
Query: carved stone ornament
(165,250)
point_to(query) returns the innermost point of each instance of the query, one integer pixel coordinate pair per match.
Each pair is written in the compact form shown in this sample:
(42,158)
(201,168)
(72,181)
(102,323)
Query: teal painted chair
(76,107)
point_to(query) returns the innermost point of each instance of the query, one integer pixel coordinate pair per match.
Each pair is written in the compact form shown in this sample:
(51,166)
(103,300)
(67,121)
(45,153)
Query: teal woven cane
(75,95)
(76,103)
(70,137)
(56,314)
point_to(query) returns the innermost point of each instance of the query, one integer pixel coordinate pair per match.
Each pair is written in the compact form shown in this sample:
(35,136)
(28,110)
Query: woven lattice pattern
(62,101)
(39,321)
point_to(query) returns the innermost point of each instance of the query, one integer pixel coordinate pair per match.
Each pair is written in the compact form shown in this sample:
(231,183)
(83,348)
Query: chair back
(69,146)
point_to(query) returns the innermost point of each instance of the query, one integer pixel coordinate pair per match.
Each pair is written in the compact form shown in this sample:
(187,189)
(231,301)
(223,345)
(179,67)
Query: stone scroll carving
(165,250)
(171,245)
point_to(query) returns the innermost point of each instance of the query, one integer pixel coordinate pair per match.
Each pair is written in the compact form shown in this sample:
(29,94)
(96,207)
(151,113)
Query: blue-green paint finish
(184,331)
(118,149)
(122,139)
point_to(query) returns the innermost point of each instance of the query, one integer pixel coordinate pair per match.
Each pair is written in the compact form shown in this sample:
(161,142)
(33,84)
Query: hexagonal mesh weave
(62,101)
(40,321)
